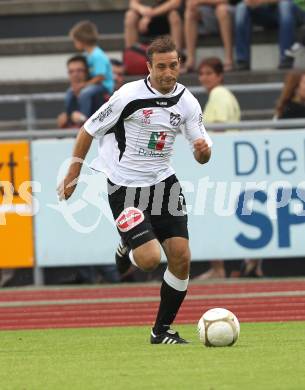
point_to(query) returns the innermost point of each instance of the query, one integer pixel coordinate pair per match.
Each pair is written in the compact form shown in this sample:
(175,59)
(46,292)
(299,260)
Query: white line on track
(272,294)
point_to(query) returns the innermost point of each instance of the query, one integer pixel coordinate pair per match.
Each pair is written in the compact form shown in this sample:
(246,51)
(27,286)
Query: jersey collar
(156,92)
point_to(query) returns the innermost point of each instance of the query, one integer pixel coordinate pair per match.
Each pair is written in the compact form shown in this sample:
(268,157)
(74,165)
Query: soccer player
(136,129)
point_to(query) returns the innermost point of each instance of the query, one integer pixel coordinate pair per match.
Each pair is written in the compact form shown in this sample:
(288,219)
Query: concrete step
(58,24)
(38,67)
(53,45)
(110,42)
(41,7)
(53,66)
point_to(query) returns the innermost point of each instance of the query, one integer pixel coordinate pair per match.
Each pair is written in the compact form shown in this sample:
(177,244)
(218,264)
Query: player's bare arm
(81,147)
(202,152)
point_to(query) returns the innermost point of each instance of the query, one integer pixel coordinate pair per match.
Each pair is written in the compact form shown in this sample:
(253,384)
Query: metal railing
(215,127)
(29,100)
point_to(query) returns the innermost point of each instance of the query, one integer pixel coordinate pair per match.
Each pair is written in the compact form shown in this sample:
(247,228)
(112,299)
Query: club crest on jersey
(129,218)
(157,140)
(146,116)
(174,119)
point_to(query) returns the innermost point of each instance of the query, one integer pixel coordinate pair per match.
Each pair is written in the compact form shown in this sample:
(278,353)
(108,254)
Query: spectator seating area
(34,47)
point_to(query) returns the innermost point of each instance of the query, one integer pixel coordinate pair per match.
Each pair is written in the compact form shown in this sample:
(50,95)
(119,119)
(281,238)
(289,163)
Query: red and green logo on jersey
(157,140)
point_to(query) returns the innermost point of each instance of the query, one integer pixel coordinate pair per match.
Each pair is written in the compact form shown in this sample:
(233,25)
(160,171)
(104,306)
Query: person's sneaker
(122,258)
(286,63)
(168,337)
(241,65)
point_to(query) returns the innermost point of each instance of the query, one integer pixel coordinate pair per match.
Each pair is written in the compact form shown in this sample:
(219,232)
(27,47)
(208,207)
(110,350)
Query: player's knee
(151,262)
(181,260)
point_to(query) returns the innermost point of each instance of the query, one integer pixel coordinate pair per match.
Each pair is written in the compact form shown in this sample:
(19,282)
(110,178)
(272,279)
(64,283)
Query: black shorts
(145,213)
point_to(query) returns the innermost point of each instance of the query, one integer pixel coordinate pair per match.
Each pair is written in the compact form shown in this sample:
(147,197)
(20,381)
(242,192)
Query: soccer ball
(218,328)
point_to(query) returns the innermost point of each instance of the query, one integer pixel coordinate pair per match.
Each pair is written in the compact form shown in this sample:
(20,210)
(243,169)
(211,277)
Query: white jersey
(137,128)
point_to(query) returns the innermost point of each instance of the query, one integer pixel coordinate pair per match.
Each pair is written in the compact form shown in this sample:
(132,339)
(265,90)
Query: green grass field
(267,356)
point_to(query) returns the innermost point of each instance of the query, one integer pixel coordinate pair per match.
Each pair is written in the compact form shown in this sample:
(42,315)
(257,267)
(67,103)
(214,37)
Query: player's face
(208,78)
(164,71)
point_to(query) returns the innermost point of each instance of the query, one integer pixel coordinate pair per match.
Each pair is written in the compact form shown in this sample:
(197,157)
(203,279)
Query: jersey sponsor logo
(103,114)
(174,119)
(150,153)
(129,218)
(146,115)
(157,140)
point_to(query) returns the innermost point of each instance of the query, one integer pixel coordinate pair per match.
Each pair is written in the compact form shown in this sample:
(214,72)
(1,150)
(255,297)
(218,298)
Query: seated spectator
(118,73)
(212,15)
(291,103)
(160,19)
(269,14)
(85,37)
(78,73)
(221,107)
(295,16)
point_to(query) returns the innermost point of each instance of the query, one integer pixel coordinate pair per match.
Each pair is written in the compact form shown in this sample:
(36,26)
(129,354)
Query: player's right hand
(66,187)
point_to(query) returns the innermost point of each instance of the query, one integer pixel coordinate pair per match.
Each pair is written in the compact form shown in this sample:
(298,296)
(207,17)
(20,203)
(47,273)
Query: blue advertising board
(248,201)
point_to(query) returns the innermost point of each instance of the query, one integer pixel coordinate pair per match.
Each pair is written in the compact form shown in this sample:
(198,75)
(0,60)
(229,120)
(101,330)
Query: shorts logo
(157,140)
(174,119)
(129,218)
(146,115)
(182,206)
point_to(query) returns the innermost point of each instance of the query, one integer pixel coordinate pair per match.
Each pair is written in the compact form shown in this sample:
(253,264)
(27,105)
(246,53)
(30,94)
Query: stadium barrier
(29,100)
(247,202)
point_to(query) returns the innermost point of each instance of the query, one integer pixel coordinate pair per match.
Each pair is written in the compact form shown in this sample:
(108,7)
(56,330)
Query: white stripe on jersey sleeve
(105,117)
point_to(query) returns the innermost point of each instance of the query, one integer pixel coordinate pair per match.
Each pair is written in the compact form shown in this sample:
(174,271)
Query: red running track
(52,308)
(139,291)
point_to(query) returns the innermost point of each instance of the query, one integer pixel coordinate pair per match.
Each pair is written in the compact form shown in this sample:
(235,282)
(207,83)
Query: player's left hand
(66,187)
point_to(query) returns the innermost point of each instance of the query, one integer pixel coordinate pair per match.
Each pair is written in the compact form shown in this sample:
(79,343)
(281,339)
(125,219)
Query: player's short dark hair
(162,44)
(213,62)
(85,32)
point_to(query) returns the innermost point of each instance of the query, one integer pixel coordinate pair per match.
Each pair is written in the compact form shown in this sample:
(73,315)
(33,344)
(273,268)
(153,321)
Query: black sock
(171,300)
